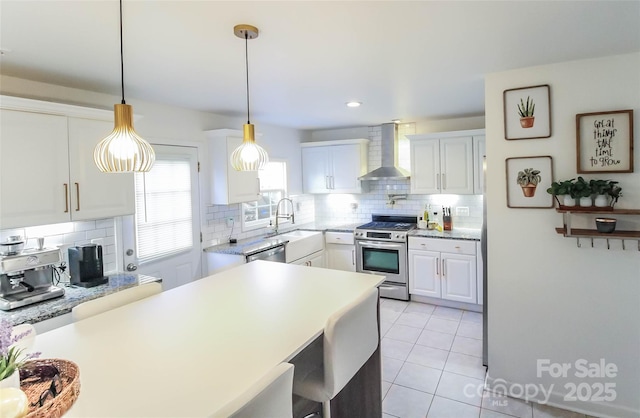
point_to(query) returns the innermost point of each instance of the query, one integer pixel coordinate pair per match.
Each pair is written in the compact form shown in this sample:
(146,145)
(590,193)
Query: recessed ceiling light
(354,104)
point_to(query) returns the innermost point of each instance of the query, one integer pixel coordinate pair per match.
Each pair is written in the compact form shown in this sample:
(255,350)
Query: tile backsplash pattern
(69,234)
(340,208)
(217,232)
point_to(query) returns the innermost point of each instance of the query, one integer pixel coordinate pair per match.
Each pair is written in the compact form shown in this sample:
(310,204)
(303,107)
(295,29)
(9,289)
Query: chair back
(350,338)
(270,397)
(114,300)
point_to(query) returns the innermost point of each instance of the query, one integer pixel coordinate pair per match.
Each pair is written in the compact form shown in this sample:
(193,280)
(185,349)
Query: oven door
(385,258)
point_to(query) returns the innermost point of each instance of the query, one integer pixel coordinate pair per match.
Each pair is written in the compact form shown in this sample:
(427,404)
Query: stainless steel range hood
(389,149)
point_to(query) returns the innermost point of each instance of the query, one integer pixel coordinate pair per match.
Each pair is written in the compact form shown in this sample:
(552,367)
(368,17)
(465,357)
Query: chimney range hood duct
(389,148)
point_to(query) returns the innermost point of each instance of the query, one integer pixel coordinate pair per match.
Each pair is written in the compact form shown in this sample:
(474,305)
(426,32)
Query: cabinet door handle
(444,181)
(437,266)
(443,265)
(353,257)
(77,197)
(66,198)
(437,181)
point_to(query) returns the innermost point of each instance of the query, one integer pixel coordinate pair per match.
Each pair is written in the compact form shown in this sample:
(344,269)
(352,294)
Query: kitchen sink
(302,243)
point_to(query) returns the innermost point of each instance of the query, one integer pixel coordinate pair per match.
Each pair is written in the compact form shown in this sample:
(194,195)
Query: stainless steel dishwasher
(276,254)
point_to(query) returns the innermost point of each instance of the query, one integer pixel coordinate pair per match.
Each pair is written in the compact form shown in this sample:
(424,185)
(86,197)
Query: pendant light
(123,150)
(249,156)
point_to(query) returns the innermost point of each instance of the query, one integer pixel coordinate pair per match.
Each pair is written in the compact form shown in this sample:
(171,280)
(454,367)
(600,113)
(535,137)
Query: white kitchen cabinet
(479,152)
(479,274)
(443,162)
(47,173)
(443,268)
(334,166)
(316,259)
(340,250)
(94,194)
(229,185)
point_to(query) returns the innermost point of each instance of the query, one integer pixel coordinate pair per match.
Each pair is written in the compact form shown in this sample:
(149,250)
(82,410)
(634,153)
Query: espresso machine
(27,277)
(86,266)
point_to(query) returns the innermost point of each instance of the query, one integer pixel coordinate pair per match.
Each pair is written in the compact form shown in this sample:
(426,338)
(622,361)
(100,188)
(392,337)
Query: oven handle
(376,244)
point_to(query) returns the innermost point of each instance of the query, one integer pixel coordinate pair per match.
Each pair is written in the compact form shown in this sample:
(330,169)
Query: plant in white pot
(13,342)
(563,192)
(582,190)
(600,188)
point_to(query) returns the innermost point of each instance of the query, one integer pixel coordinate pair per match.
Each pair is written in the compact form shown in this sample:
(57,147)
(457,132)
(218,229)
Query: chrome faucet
(278,216)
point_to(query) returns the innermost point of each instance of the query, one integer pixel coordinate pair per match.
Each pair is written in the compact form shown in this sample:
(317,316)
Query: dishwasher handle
(276,254)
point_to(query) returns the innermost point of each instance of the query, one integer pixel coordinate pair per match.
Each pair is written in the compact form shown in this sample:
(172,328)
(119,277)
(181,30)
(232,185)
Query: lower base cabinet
(316,259)
(443,268)
(341,251)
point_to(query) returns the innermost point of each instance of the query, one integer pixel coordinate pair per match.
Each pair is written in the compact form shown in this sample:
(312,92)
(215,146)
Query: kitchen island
(188,351)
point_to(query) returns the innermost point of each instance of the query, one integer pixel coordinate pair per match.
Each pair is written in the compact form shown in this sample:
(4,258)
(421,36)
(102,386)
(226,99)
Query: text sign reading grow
(605,142)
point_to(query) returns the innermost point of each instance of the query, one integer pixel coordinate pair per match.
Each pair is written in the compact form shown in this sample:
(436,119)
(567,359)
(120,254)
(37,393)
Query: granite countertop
(73,295)
(252,245)
(456,233)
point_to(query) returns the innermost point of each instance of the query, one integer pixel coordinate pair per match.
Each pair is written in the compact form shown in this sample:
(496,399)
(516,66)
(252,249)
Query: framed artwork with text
(604,142)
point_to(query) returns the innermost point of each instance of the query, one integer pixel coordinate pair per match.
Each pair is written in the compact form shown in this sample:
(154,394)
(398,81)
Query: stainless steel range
(381,248)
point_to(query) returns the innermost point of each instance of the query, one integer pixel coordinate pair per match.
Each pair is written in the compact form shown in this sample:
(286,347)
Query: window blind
(163,209)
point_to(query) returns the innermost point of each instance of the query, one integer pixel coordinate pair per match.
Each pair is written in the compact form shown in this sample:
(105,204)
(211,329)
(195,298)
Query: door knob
(132,267)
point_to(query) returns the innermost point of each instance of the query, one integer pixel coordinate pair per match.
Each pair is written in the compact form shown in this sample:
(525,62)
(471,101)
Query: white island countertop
(188,351)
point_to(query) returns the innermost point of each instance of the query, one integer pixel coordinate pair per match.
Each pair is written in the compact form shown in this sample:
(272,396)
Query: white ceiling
(410,60)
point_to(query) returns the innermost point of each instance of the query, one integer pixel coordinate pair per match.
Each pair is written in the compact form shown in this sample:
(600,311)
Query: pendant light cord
(121,57)
(246,60)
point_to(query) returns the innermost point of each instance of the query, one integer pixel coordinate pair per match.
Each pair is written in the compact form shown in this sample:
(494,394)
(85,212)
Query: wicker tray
(53,407)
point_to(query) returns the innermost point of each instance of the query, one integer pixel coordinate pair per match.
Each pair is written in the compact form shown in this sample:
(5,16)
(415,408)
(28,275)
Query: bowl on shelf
(606,225)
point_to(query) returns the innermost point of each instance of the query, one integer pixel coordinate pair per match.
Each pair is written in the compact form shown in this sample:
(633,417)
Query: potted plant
(563,188)
(600,188)
(615,192)
(528,180)
(582,190)
(525,110)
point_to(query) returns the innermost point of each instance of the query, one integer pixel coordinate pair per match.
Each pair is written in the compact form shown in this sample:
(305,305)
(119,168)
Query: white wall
(549,299)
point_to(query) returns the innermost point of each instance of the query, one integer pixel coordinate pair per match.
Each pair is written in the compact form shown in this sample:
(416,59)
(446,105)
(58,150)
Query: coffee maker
(86,266)
(27,277)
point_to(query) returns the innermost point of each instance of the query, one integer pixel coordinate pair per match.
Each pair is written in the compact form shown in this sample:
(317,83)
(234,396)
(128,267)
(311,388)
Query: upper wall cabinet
(47,173)
(479,154)
(228,185)
(334,166)
(443,162)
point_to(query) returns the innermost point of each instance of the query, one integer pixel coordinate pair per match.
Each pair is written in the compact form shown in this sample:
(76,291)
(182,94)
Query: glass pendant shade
(123,150)
(249,156)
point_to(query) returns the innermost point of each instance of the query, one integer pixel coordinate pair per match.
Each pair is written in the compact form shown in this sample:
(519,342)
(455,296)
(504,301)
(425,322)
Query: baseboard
(596,409)
(448,303)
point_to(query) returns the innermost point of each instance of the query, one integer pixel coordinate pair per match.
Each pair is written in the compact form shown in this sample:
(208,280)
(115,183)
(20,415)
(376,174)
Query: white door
(456,165)
(424,273)
(34,169)
(459,278)
(425,166)
(315,177)
(345,168)
(95,194)
(163,238)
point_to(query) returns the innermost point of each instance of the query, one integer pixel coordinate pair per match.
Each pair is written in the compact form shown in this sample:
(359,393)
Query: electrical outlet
(230,222)
(462,211)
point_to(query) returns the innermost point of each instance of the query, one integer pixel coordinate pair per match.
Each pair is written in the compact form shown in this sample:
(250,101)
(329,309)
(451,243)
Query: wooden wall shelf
(591,234)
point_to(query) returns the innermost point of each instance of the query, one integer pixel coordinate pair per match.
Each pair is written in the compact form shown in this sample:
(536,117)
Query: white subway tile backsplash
(96,233)
(84,225)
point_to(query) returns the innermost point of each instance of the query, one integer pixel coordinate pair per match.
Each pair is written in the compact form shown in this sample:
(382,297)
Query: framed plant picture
(528,179)
(527,112)
(604,142)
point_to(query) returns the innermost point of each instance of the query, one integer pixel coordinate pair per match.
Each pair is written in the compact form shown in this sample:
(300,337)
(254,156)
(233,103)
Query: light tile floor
(432,366)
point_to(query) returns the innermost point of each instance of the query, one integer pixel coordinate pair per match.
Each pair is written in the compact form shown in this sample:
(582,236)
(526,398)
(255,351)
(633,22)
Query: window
(273,187)
(163,209)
